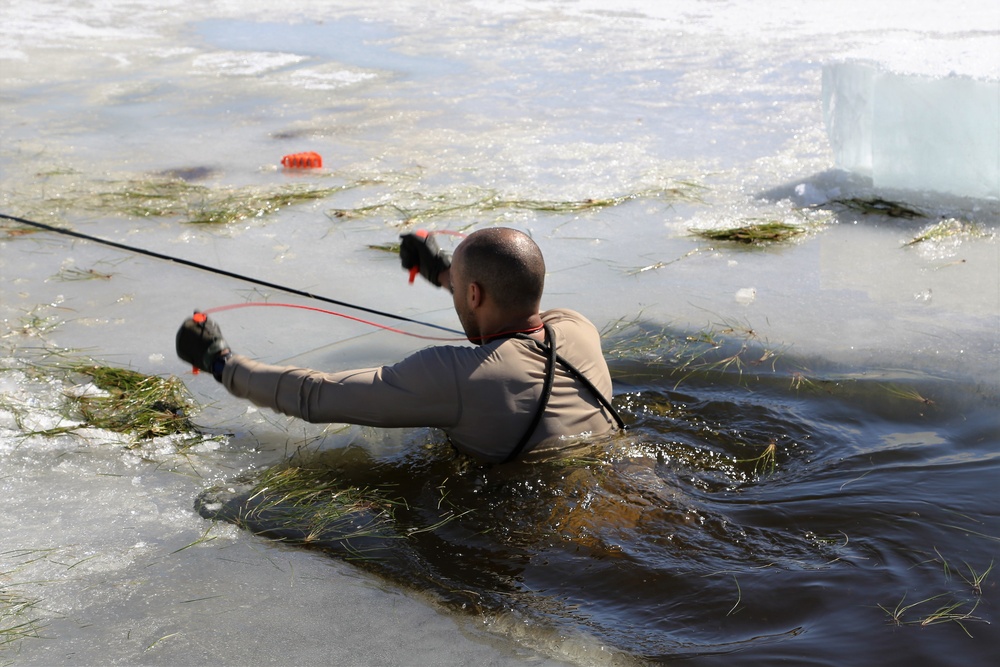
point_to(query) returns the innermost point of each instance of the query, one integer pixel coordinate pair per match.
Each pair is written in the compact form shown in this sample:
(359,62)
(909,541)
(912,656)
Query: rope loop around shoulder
(551,358)
(550,373)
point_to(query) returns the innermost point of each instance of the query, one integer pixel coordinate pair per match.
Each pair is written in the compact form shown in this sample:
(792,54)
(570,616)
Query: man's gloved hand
(419,250)
(200,343)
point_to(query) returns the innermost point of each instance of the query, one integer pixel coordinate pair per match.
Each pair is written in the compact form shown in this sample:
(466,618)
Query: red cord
(421,233)
(269,304)
(265,304)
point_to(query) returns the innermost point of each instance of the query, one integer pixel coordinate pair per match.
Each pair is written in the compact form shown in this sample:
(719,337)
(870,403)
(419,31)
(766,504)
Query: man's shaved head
(507,264)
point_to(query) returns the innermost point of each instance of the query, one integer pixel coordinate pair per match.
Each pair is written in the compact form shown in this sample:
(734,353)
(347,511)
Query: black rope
(552,357)
(602,399)
(543,402)
(221,272)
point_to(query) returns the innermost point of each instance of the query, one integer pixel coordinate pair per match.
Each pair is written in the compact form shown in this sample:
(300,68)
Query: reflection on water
(743,518)
(346,40)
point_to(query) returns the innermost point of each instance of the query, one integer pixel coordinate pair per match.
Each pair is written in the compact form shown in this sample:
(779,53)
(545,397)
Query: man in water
(512,394)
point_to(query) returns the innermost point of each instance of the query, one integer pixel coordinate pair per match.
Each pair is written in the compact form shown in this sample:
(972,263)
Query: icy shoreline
(442,102)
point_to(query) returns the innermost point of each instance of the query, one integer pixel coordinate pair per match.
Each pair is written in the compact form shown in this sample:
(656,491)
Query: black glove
(419,250)
(200,343)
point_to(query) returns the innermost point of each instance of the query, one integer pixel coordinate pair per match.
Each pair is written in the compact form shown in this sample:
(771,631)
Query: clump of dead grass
(147,406)
(127,402)
(753,233)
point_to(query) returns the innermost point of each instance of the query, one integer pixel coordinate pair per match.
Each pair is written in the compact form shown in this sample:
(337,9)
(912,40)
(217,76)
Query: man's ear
(476,294)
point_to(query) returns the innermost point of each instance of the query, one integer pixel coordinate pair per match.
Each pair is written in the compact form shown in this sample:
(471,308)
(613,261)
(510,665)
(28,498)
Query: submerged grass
(391,248)
(20,231)
(878,206)
(317,505)
(74,274)
(724,347)
(34,324)
(800,381)
(414,208)
(314,506)
(171,197)
(766,463)
(249,204)
(661,264)
(908,394)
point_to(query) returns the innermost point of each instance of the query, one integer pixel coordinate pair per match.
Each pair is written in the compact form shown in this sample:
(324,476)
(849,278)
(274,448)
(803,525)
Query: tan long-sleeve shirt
(483,397)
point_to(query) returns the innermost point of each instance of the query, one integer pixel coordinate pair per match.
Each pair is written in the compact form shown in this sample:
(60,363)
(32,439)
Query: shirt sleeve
(421,390)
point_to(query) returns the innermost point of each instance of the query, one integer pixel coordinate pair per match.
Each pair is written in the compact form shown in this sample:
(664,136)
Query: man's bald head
(507,264)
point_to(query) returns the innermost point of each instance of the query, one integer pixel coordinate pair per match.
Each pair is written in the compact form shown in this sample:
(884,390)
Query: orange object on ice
(309,160)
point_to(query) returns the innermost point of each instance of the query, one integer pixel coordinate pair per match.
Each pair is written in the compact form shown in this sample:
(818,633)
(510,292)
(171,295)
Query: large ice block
(914,131)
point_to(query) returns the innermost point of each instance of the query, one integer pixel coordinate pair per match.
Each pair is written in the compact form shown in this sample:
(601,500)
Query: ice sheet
(452,99)
(915,132)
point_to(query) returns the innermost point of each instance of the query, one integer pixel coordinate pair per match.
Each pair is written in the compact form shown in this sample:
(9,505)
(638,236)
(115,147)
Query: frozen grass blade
(944,565)
(18,620)
(75,274)
(660,265)
(15,624)
(161,639)
(201,540)
(946,229)
(391,248)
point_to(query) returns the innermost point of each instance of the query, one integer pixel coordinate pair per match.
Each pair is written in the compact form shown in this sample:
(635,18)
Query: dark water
(750,515)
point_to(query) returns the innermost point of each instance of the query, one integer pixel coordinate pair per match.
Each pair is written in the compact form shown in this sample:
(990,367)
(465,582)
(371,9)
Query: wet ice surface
(431,103)
(121,570)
